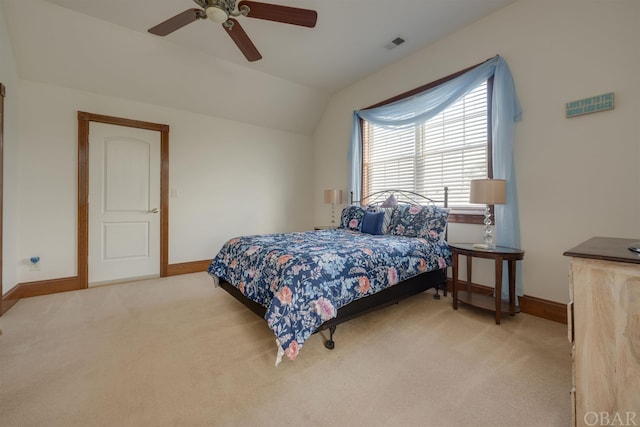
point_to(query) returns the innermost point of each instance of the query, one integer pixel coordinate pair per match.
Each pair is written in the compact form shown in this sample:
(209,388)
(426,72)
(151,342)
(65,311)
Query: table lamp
(488,192)
(333,197)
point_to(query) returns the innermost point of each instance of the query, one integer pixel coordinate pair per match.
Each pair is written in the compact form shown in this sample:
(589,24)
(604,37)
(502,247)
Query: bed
(388,247)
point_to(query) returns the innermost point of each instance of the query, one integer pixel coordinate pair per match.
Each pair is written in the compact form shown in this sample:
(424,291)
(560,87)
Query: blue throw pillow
(372,222)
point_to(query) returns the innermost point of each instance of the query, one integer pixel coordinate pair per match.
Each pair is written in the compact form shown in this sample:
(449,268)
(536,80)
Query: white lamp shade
(488,191)
(333,196)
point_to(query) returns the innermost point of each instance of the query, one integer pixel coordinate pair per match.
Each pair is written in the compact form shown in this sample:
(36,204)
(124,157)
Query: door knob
(154,210)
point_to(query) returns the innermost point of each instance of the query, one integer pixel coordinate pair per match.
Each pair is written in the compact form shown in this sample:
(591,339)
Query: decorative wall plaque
(593,104)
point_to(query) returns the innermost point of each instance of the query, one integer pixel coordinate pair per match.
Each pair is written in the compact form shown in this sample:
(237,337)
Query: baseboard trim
(188,267)
(46,287)
(546,309)
(9,299)
(34,289)
(54,286)
(538,307)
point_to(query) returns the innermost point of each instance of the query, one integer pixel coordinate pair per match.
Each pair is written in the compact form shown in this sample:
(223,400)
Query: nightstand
(494,303)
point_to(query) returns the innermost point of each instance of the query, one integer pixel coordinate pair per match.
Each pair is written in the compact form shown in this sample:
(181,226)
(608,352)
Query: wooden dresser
(604,327)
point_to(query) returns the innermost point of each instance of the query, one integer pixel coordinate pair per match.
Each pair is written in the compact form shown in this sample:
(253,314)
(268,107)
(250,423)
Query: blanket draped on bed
(304,278)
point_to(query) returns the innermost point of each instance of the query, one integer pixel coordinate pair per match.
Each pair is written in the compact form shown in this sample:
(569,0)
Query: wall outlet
(34,263)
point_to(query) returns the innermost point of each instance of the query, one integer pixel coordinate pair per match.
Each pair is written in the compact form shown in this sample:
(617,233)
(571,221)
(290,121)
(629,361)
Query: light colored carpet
(180,352)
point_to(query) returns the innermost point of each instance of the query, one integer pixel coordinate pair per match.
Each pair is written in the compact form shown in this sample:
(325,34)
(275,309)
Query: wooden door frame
(2,92)
(84,120)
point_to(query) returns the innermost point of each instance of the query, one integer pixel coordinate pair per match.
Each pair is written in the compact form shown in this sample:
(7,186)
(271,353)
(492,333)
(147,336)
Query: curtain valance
(505,110)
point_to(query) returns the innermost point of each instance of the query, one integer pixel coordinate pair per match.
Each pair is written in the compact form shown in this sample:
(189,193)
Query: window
(448,150)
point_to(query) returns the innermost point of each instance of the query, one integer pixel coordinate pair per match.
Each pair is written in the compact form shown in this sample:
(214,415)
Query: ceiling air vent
(395,42)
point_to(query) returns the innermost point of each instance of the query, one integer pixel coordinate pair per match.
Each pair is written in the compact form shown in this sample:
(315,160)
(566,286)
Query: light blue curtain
(419,108)
(505,110)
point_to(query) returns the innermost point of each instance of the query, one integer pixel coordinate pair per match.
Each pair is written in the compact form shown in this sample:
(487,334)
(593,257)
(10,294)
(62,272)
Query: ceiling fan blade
(242,40)
(177,22)
(278,13)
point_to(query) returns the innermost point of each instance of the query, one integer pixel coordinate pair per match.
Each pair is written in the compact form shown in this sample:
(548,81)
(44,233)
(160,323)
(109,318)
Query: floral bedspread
(304,278)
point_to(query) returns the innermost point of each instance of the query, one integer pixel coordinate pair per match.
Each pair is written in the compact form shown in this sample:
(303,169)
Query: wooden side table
(499,255)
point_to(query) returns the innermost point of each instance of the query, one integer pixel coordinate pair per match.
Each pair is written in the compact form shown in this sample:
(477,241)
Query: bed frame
(436,279)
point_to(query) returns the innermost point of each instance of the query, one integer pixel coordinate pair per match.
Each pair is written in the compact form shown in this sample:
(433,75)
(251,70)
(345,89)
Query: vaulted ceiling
(103,46)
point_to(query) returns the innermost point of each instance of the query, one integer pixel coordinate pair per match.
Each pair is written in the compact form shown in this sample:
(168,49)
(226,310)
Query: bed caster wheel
(436,296)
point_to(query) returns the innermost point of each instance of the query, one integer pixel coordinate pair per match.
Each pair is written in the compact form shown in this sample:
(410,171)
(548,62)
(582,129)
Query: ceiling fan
(223,11)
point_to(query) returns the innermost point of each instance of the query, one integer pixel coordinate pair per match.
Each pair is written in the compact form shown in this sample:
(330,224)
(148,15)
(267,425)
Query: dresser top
(606,248)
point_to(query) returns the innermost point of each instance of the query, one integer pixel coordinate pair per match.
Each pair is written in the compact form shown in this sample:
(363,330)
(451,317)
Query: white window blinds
(449,150)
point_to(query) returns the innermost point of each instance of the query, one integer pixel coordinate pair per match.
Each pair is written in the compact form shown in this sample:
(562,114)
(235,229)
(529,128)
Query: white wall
(64,47)
(9,77)
(232,178)
(576,178)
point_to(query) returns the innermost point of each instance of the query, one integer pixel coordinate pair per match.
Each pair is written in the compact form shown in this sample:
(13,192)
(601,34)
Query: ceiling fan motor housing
(220,10)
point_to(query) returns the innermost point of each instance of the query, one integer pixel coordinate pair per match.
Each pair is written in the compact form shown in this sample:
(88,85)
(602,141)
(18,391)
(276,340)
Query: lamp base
(487,235)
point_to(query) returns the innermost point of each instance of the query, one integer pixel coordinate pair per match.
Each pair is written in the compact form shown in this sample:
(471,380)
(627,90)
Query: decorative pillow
(436,225)
(406,220)
(351,217)
(388,213)
(391,202)
(372,222)
(419,221)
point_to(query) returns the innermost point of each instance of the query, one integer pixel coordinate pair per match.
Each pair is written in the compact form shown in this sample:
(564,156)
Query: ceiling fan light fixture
(216,14)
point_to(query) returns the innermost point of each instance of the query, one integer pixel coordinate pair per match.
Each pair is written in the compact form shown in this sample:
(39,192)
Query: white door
(124,203)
